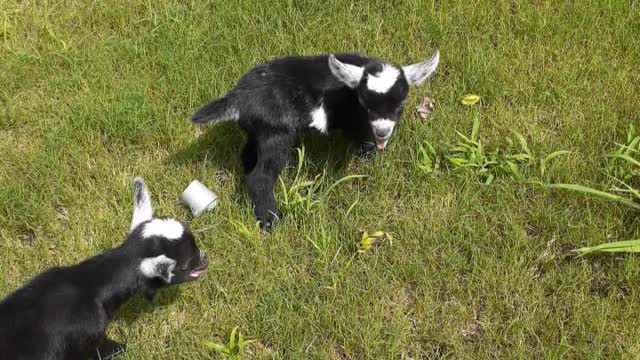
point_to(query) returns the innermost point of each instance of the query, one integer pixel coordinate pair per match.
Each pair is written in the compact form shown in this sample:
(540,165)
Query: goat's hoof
(267,221)
(266,225)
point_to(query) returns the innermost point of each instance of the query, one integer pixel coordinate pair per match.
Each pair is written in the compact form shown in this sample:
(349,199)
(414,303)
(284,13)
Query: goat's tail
(217,110)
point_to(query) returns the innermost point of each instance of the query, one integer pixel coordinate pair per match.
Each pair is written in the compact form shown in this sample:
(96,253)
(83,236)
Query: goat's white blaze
(319,119)
(169,228)
(385,125)
(158,267)
(384,80)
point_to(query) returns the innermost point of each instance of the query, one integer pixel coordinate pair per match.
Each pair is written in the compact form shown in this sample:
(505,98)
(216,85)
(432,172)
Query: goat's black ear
(142,209)
(416,74)
(346,73)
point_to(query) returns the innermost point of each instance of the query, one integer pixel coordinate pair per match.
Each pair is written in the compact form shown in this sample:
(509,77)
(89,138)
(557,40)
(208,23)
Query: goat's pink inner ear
(416,74)
(346,73)
(142,209)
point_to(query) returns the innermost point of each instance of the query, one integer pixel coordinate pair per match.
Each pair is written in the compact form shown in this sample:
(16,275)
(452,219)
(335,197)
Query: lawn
(95,93)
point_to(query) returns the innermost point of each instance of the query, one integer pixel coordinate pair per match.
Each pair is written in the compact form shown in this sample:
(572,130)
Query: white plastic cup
(199,198)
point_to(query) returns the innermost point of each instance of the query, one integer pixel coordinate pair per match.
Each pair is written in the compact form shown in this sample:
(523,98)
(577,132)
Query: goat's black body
(64,312)
(294,87)
(274,104)
(277,98)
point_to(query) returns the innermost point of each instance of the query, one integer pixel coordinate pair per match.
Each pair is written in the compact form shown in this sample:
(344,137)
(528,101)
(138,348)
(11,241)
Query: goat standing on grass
(276,102)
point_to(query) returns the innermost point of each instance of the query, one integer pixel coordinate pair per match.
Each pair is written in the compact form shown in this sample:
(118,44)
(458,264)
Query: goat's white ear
(346,73)
(158,267)
(142,209)
(418,73)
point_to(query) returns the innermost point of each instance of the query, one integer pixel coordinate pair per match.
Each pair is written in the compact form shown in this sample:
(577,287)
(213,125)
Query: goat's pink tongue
(196,273)
(380,144)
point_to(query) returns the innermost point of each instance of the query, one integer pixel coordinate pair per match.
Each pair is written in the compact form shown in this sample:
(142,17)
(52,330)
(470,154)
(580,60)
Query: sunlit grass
(95,93)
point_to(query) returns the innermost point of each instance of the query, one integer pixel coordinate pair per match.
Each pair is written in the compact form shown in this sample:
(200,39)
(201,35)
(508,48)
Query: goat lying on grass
(276,102)
(64,312)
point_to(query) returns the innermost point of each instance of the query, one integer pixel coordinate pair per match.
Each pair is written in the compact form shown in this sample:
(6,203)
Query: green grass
(95,93)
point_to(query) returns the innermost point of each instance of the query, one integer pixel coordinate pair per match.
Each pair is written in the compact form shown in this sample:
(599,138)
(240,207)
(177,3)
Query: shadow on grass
(221,144)
(138,306)
(332,152)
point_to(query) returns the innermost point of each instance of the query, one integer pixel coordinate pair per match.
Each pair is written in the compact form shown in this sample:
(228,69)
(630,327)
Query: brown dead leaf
(63,214)
(473,329)
(425,108)
(341,354)
(260,349)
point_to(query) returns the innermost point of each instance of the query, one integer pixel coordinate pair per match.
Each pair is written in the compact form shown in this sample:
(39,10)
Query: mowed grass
(95,93)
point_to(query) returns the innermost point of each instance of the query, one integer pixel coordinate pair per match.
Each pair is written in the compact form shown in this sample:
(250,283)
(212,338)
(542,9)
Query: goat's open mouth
(381,143)
(199,270)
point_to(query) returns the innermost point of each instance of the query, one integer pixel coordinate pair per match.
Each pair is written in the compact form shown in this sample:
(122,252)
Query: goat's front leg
(272,154)
(360,135)
(249,155)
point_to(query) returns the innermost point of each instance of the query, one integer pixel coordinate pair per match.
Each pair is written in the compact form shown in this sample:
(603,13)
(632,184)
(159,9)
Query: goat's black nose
(382,132)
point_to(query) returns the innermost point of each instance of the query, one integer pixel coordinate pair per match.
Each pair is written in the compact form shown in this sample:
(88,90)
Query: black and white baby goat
(64,312)
(276,102)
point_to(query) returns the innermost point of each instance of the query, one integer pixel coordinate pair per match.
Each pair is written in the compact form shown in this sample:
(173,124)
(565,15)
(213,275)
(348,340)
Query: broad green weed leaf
(474,129)
(217,347)
(232,338)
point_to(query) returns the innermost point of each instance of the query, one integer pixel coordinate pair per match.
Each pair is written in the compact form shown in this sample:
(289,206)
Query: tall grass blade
(546,159)
(523,142)
(555,154)
(232,338)
(348,177)
(618,246)
(626,158)
(628,189)
(591,191)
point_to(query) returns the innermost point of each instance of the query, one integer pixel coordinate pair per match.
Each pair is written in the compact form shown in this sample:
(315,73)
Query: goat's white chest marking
(319,119)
